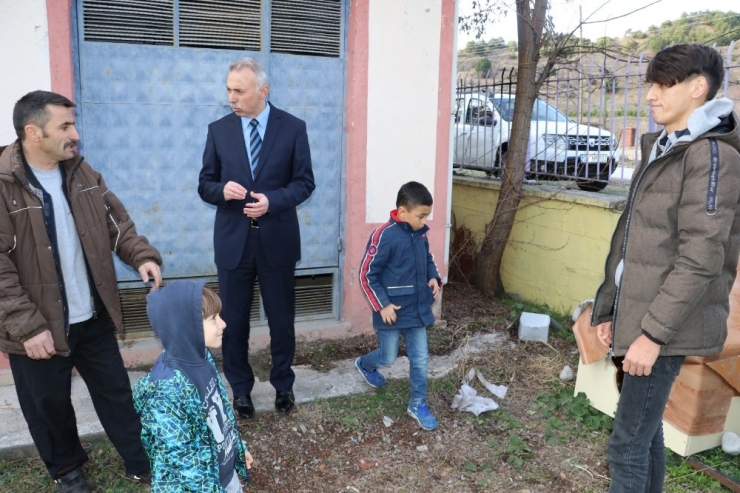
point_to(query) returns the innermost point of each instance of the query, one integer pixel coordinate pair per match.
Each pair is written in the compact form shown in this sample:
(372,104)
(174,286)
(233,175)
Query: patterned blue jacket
(182,449)
(188,428)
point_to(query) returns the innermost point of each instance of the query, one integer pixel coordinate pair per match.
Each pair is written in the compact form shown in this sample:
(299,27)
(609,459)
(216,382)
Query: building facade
(373,80)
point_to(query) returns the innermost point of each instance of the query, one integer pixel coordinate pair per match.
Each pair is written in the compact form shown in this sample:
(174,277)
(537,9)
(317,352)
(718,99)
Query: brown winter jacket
(679,259)
(30,294)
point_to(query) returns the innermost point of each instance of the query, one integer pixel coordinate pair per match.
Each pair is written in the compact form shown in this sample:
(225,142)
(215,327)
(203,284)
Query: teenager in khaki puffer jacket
(673,255)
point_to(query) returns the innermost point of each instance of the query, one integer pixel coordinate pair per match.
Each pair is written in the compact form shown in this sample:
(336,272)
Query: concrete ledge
(552,191)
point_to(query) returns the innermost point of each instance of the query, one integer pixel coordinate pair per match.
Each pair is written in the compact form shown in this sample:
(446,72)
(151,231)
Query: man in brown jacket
(673,255)
(59,304)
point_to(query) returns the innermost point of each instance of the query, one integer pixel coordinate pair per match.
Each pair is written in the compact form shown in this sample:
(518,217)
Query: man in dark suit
(256,171)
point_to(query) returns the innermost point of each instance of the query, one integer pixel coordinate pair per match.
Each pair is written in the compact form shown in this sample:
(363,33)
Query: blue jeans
(417,351)
(636,450)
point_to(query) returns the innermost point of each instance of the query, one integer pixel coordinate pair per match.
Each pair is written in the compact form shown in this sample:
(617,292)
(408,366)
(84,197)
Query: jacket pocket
(399,290)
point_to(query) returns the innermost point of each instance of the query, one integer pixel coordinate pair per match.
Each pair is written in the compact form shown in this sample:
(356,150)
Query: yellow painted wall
(558,244)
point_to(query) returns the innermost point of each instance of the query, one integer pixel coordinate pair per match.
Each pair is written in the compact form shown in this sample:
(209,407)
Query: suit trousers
(44,392)
(277,288)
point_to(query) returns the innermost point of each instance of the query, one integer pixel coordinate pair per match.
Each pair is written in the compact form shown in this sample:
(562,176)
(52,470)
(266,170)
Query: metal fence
(586,122)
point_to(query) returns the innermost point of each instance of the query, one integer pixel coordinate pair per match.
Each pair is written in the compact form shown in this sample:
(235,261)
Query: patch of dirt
(344,445)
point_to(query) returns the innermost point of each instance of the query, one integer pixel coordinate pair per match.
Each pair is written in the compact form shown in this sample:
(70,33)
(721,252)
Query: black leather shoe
(244,407)
(73,482)
(284,401)
(144,477)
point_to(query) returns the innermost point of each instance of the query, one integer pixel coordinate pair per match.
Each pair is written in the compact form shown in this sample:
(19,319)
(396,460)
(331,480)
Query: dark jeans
(44,392)
(636,450)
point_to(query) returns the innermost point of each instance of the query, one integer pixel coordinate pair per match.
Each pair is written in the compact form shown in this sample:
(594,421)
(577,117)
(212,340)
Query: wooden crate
(699,401)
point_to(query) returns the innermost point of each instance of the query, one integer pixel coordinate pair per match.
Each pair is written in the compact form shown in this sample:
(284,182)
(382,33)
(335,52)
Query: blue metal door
(144,104)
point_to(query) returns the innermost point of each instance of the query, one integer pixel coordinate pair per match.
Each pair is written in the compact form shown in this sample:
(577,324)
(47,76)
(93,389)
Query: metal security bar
(586,122)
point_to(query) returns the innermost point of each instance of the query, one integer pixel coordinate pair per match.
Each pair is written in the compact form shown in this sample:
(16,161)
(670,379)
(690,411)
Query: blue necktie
(255,144)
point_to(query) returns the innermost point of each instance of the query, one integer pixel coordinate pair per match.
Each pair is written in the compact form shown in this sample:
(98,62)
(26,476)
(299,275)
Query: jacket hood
(714,118)
(175,312)
(10,160)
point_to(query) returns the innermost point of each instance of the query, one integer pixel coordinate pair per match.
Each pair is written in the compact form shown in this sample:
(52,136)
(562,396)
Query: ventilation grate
(220,24)
(314,296)
(306,27)
(129,21)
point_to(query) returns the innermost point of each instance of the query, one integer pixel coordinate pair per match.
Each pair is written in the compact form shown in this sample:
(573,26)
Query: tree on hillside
(537,40)
(698,27)
(483,66)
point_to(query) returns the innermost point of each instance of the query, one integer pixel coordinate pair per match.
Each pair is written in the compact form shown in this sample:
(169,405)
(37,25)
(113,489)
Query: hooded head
(176,314)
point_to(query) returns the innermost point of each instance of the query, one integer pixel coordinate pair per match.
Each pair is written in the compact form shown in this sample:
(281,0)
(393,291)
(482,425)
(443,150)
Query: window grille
(221,24)
(129,21)
(306,27)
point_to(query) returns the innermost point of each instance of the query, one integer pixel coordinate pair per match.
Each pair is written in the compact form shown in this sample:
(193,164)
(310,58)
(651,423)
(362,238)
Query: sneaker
(144,477)
(73,482)
(373,378)
(422,416)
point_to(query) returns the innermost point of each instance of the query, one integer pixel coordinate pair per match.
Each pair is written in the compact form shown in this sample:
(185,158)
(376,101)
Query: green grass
(104,471)
(681,477)
(390,400)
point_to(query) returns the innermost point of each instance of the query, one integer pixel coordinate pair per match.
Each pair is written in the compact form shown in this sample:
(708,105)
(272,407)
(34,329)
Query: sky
(565,16)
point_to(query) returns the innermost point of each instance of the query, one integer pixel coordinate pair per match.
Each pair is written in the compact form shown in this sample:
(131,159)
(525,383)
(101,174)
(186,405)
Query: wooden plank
(589,346)
(729,369)
(699,401)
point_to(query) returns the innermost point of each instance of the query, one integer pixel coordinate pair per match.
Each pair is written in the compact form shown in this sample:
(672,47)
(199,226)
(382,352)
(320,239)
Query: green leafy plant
(518,451)
(573,409)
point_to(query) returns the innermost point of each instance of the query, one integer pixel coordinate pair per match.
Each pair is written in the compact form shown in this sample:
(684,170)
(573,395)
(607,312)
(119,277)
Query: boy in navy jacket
(400,279)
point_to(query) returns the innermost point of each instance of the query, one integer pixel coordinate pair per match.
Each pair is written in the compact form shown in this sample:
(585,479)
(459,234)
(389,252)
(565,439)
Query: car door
(477,140)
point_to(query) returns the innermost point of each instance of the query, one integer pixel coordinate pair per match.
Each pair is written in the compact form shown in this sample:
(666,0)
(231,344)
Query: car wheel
(498,164)
(591,185)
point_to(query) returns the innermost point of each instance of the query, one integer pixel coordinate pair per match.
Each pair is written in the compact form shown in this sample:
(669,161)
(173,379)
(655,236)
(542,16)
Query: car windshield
(540,112)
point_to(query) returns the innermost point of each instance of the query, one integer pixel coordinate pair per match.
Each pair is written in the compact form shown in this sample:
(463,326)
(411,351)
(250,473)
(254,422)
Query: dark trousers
(277,287)
(636,450)
(44,387)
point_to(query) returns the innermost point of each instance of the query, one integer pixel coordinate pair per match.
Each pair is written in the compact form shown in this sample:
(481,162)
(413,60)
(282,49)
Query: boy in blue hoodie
(188,432)
(399,277)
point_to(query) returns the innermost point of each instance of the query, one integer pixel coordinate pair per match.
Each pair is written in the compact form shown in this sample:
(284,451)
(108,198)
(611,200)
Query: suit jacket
(283,174)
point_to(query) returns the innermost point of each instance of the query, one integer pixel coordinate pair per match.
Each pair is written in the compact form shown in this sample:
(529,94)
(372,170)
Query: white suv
(558,146)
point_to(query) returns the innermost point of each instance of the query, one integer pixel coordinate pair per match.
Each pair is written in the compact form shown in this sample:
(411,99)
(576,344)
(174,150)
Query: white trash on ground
(566,375)
(467,398)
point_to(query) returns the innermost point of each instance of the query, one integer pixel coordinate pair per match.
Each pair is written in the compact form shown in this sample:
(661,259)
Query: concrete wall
(400,65)
(558,244)
(24,56)
(399,99)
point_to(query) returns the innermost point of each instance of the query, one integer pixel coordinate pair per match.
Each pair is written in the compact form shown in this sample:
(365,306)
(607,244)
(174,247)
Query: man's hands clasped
(234,191)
